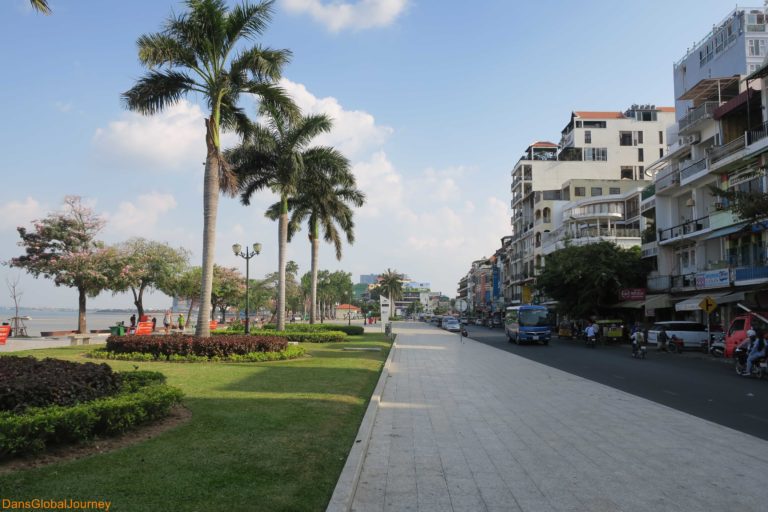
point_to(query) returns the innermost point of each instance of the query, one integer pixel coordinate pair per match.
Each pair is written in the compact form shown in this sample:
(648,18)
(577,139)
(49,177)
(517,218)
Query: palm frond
(308,128)
(264,64)
(157,90)
(247,20)
(40,6)
(162,50)
(274,101)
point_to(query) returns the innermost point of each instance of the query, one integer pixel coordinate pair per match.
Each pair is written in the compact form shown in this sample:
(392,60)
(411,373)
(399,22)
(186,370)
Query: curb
(344,493)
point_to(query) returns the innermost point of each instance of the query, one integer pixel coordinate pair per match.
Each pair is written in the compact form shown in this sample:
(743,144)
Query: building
(369,279)
(344,311)
(720,140)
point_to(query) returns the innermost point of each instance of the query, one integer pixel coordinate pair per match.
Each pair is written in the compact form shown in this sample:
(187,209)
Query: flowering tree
(141,264)
(228,289)
(63,247)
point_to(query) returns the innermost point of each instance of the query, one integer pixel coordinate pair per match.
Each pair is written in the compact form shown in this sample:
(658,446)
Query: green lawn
(263,436)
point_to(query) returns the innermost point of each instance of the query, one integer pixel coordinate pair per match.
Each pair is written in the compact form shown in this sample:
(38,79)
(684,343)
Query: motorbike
(638,352)
(759,367)
(591,341)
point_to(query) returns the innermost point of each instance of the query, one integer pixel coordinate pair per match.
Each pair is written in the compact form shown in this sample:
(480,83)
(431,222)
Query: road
(692,382)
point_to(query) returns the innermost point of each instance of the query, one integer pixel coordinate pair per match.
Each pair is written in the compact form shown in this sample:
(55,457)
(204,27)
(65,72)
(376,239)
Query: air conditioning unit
(692,139)
(719,206)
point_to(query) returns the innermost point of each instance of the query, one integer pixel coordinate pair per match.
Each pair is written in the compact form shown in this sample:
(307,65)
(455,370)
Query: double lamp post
(237,249)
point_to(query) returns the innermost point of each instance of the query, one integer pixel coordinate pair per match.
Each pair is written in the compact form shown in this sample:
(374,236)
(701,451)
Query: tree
(326,190)
(195,54)
(228,289)
(63,247)
(142,264)
(274,156)
(16,293)
(585,280)
(391,285)
(751,205)
(186,286)
(40,6)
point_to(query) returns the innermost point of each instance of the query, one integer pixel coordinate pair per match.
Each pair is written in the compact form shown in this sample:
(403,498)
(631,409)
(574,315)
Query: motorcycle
(759,367)
(591,341)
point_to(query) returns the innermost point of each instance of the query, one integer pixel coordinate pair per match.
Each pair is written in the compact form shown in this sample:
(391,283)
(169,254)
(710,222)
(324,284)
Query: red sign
(631,294)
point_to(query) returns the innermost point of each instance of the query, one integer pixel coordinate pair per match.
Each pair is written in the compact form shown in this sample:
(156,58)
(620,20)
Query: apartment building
(720,140)
(598,147)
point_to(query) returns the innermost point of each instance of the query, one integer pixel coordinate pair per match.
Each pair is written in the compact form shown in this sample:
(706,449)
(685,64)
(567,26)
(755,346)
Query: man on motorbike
(591,332)
(756,350)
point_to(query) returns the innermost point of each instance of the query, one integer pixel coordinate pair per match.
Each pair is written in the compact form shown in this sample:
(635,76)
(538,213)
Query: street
(694,383)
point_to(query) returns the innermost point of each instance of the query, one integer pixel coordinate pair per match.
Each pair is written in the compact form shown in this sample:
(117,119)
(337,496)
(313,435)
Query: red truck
(737,332)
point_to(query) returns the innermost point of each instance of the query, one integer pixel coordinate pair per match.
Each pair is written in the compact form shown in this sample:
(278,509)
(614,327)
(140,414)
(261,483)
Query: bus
(528,324)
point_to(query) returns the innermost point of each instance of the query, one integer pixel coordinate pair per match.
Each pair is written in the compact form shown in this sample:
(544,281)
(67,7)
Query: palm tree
(274,156)
(195,53)
(391,285)
(40,6)
(325,192)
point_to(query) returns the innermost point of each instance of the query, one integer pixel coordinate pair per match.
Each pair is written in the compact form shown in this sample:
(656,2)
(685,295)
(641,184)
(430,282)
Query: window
(640,170)
(547,215)
(594,154)
(627,172)
(625,138)
(579,191)
(594,124)
(661,137)
(596,191)
(578,124)
(640,137)
(640,154)
(614,190)
(587,137)
(661,152)
(756,47)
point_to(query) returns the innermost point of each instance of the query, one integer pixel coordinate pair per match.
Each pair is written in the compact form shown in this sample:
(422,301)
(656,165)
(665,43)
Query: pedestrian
(154,324)
(181,321)
(661,340)
(167,320)
(133,320)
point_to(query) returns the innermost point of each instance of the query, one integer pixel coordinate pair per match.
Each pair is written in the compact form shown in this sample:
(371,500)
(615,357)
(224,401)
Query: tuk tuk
(565,330)
(611,330)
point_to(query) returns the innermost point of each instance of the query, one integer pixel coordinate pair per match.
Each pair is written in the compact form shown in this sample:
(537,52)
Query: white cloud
(140,218)
(337,15)
(63,106)
(20,213)
(381,183)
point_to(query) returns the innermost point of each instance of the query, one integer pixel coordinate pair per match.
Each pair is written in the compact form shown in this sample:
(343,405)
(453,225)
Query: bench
(143,329)
(79,339)
(5,331)
(56,334)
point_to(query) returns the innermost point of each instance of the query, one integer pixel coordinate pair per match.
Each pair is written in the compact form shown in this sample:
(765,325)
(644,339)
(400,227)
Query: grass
(263,436)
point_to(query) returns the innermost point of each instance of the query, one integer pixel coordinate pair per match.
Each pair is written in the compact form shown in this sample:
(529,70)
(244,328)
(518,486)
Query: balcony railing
(693,168)
(702,112)
(686,228)
(757,134)
(669,179)
(750,273)
(683,281)
(648,191)
(659,283)
(720,152)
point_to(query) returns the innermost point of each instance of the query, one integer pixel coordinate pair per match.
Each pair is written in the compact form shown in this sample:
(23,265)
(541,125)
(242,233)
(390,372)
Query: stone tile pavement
(466,427)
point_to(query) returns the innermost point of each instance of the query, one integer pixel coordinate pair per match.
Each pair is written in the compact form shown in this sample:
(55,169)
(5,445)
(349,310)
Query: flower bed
(350,330)
(215,347)
(291,352)
(298,336)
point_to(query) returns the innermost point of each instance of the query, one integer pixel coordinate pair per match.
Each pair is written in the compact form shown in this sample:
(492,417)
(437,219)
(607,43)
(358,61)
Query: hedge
(38,427)
(350,330)
(302,337)
(30,382)
(291,352)
(217,347)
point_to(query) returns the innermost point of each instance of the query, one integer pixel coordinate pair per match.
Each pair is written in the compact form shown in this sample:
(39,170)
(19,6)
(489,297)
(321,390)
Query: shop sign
(713,278)
(631,294)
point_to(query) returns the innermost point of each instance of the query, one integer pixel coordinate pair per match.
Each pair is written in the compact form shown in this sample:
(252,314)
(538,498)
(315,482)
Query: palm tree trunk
(282,246)
(81,310)
(210,209)
(315,249)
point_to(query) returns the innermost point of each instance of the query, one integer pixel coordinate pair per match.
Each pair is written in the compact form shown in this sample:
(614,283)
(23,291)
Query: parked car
(463,320)
(478,321)
(496,321)
(693,335)
(451,324)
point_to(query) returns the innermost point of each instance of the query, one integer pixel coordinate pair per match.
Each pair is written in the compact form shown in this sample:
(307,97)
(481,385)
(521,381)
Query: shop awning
(731,297)
(692,303)
(725,231)
(657,301)
(629,304)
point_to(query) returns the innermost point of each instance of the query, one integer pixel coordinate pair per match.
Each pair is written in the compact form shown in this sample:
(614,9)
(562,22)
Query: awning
(734,103)
(692,304)
(708,88)
(725,231)
(629,304)
(657,301)
(731,297)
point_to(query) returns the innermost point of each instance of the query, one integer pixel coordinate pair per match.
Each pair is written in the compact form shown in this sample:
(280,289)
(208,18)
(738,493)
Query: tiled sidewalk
(467,427)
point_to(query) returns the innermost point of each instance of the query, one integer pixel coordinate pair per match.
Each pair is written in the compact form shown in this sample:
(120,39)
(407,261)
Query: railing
(650,205)
(692,169)
(702,112)
(671,178)
(658,283)
(757,134)
(648,191)
(719,152)
(686,228)
(682,281)
(750,273)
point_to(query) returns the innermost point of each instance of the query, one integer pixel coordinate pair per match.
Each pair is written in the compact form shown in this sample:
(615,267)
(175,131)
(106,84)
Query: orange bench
(143,329)
(213,325)
(5,331)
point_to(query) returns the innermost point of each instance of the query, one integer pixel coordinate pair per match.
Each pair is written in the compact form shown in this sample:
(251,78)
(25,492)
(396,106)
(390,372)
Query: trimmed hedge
(350,330)
(29,382)
(38,427)
(218,347)
(302,337)
(291,352)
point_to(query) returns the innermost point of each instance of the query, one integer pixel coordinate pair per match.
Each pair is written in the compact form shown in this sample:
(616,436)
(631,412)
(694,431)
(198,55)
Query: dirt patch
(178,416)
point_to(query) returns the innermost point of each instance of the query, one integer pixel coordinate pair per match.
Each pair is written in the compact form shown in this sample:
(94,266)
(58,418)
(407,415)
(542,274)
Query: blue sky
(433,101)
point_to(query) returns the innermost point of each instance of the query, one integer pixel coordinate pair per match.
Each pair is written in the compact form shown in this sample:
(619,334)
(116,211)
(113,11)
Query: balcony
(669,179)
(757,273)
(683,281)
(702,112)
(692,169)
(721,152)
(686,228)
(659,283)
(648,192)
(758,134)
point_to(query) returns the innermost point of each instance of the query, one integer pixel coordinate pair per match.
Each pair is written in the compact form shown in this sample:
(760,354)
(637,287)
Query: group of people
(168,323)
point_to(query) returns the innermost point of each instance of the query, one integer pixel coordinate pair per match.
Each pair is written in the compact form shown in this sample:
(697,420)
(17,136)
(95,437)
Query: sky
(433,102)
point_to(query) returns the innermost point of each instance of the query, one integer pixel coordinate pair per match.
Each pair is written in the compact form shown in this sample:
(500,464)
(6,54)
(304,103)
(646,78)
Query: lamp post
(237,249)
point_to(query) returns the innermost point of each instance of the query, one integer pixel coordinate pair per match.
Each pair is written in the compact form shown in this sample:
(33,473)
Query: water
(66,320)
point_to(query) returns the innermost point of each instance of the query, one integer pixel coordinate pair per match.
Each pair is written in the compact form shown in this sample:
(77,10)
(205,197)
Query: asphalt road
(692,382)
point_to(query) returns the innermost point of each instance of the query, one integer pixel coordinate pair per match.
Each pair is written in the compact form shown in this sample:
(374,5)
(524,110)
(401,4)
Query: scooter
(639,352)
(591,341)
(759,367)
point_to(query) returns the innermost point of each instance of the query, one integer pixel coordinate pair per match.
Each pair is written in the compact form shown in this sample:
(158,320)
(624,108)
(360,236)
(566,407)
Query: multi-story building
(596,146)
(720,141)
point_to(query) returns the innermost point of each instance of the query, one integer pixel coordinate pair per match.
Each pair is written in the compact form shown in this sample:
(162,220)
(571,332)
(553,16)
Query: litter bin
(388,328)
(117,330)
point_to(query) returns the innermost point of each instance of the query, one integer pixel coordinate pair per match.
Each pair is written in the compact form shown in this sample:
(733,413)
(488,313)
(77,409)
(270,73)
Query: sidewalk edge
(343,494)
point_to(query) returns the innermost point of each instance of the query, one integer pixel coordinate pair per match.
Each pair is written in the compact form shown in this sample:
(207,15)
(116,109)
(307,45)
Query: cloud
(140,218)
(20,213)
(62,106)
(336,15)
(381,183)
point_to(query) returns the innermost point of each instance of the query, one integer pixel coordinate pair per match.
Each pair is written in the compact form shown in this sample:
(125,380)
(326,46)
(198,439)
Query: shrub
(291,352)
(310,337)
(351,330)
(30,382)
(37,427)
(184,345)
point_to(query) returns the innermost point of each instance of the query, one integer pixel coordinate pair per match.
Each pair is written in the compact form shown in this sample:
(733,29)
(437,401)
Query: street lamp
(237,249)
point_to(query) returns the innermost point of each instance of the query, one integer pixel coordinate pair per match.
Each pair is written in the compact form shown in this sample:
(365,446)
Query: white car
(451,325)
(692,334)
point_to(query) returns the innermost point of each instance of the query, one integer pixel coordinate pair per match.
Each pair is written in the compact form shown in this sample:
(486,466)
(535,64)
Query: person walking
(133,320)
(167,320)
(181,321)
(661,340)
(154,323)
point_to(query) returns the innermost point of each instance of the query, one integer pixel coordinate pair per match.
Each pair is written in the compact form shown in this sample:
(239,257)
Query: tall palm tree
(196,53)
(274,156)
(326,190)
(40,6)
(391,285)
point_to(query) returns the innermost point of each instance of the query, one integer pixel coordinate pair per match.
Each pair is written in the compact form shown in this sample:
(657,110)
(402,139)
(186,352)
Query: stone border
(344,493)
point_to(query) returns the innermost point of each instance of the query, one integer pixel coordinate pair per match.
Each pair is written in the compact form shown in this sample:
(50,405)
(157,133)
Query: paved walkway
(467,427)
